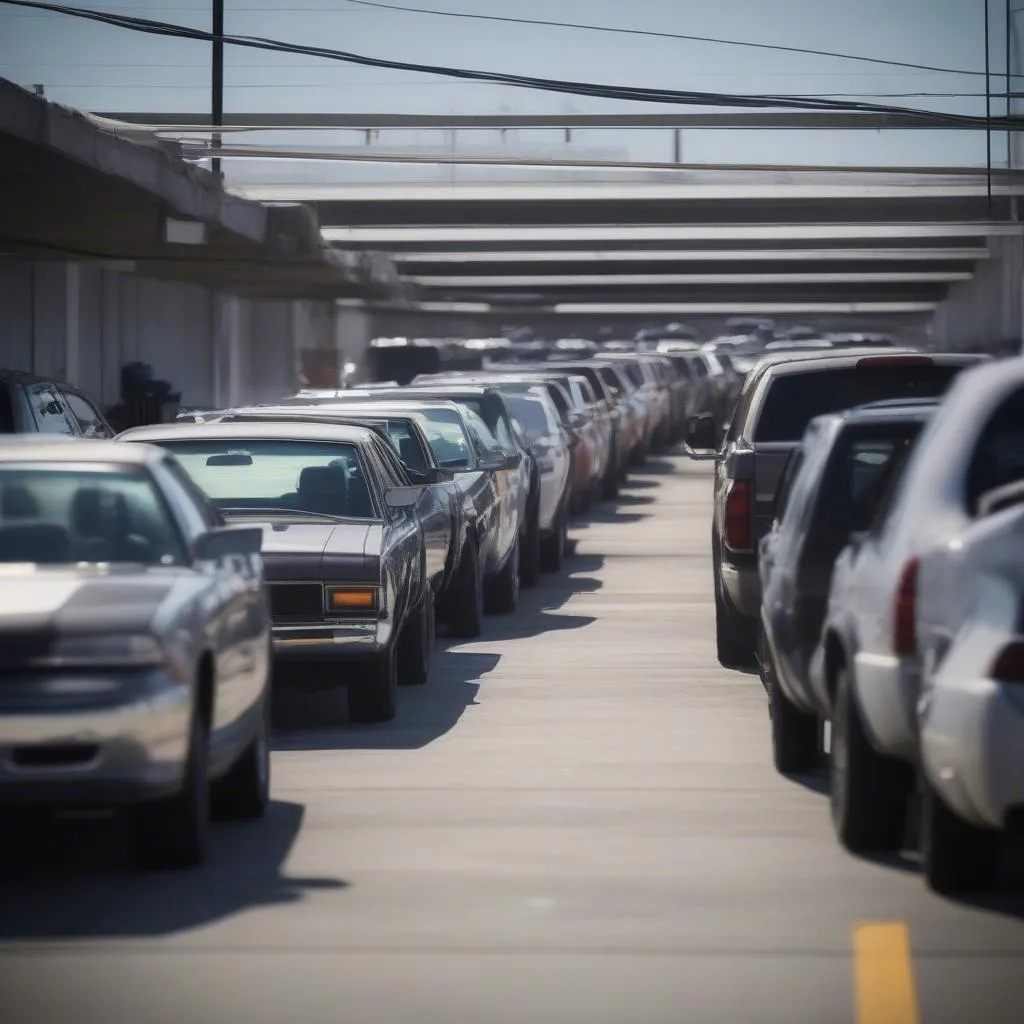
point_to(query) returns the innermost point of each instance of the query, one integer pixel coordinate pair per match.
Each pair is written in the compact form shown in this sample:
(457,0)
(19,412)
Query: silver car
(134,644)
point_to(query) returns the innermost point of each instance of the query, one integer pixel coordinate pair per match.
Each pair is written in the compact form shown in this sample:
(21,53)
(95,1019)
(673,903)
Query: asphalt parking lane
(576,819)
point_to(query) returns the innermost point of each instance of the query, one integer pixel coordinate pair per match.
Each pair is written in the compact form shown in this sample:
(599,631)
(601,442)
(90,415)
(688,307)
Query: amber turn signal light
(348,599)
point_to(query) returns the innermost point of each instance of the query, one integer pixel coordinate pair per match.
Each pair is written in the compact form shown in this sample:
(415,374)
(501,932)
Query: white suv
(868,664)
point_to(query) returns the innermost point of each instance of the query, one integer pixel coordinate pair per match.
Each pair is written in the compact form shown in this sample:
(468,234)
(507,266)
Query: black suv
(36,405)
(780,397)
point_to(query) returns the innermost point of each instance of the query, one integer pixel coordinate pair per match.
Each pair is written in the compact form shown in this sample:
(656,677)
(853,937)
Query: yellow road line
(884,974)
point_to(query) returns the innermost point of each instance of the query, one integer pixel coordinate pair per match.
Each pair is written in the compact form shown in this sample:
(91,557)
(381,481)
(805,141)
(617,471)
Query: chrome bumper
(335,641)
(117,739)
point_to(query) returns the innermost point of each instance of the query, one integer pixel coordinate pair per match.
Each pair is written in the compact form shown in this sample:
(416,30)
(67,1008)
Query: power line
(586,27)
(623,93)
(653,34)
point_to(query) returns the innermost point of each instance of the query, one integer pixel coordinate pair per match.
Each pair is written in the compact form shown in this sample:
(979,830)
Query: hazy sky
(99,68)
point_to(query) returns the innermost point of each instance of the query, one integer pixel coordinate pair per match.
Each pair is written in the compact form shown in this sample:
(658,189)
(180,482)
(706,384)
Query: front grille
(296,602)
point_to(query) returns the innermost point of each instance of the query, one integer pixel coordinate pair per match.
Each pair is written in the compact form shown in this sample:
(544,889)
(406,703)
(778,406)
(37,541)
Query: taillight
(739,514)
(904,639)
(1009,664)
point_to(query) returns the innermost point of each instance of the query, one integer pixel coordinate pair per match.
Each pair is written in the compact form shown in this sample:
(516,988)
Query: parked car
(780,396)
(411,460)
(831,489)
(344,551)
(37,405)
(489,405)
(870,658)
(538,418)
(588,427)
(134,645)
(971,719)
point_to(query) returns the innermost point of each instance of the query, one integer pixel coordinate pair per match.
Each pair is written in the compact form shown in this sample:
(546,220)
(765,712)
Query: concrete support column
(987,312)
(72,322)
(226,349)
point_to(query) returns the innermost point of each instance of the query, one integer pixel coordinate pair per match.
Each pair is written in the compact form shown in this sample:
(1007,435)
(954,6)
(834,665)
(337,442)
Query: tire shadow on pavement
(425,713)
(78,881)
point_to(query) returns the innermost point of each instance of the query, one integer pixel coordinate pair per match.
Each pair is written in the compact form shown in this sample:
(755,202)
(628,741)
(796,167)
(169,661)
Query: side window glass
(789,474)
(998,458)
(49,411)
(90,419)
(504,436)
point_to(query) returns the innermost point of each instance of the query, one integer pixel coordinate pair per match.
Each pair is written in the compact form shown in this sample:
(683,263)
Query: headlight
(120,649)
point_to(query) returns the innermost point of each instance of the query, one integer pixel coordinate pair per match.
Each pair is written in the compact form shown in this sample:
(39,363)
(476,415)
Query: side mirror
(701,437)
(494,461)
(399,498)
(227,540)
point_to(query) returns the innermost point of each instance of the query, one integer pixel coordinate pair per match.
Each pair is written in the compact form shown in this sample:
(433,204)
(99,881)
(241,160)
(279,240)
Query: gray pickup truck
(780,396)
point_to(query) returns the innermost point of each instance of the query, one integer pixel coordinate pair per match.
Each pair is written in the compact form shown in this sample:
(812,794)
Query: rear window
(795,399)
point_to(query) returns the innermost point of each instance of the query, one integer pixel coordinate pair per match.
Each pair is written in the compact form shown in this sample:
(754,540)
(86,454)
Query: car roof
(450,387)
(283,429)
(851,357)
(50,448)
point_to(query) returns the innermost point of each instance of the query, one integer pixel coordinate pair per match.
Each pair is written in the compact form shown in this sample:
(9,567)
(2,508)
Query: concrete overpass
(901,248)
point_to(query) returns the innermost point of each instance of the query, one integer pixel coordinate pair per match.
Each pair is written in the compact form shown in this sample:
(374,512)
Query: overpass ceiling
(767,244)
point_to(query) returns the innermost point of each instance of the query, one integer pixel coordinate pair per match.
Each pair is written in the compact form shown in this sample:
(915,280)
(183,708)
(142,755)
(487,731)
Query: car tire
(552,553)
(465,607)
(869,792)
(956,855)
(529,552)
(795,734)
(375,697)
(501,596)
(244,792)
(174,832)
(417,644)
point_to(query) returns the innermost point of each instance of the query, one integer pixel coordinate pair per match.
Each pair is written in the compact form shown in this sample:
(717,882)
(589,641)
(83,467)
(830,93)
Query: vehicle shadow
(635,499)
(74,879)
(313,721)
(656,465)
(608,515)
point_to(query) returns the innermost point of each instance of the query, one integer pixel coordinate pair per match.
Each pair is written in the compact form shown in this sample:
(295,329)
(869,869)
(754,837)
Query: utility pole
(217,83)
(988,111)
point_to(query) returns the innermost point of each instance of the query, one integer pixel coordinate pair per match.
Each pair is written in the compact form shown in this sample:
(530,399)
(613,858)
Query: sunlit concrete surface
(576,820)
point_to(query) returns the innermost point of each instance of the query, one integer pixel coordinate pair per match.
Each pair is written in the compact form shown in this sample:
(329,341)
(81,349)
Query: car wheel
(174,832)
(868,791)
(795,734)
(245,791)
(465,618)
(375,697)
(502,594)
(957,856)
(529,552)
(552,554)
(417,644)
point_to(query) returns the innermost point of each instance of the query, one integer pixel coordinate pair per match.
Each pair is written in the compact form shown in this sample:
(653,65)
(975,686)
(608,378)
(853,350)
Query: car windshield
(531,416)
(322,478)
(447,438)
(795,399)
(62,515)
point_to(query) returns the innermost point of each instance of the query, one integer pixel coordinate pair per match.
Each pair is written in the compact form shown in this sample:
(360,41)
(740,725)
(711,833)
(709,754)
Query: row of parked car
(154,583)
(868,513)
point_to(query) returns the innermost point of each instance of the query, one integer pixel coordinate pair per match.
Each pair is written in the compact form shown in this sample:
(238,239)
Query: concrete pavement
(575,820)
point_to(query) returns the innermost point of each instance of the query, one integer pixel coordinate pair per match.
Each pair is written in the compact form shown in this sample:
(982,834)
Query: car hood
(58,602)
(316,551)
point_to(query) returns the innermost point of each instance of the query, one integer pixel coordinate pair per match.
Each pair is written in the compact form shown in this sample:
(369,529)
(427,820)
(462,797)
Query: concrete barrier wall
(83,322)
